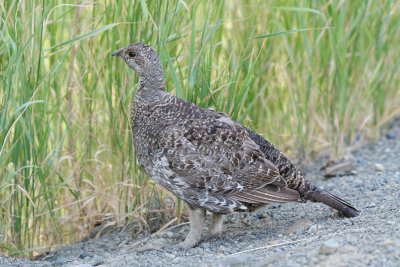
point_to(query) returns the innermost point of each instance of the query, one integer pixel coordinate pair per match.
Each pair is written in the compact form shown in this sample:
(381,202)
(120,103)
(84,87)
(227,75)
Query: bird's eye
(132,54)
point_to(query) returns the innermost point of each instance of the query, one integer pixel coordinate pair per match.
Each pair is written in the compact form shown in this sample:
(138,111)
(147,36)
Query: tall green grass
(310,76)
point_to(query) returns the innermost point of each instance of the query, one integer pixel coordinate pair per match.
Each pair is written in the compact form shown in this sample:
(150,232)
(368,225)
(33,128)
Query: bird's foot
(184,245)
(196,217)
(216,225)
(216,231)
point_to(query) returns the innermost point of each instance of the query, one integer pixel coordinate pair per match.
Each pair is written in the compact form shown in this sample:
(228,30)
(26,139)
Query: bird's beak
(117,52)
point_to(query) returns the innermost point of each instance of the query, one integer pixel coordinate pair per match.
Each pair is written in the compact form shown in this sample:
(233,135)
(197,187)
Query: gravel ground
(277,235)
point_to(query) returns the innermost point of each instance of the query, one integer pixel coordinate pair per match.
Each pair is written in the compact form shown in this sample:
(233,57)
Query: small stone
(348,222)
(371,205)
(390,222)
(390,246)
(387,242)
(230,220)
(329,247)
(82,265)
(246,221)
(60,262)
(86,255)
(155,244)
(299,227)
(379,167)
(170,255)
(222,248)
(339,169)
(205,245)
(273,242)
(175,260)
(259,216)
(97,261)
(391,135)
(170,234)
(353,172)
(299,254)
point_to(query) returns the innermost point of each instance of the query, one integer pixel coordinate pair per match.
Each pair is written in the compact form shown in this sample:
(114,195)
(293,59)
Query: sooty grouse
(208,160)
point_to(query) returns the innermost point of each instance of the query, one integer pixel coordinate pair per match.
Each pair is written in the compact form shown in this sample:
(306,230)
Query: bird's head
(144,60)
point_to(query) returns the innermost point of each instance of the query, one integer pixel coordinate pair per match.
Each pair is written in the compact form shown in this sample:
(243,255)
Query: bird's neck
(152,82)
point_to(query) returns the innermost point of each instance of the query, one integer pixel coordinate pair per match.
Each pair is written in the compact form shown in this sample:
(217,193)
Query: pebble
(155,244)
(348,222)
(82,265)
(176,260)
(170,255)
(205,245)
(86,255)
(300,226)
(60,262)
(259,216)
(339,169)
(387,242)
(222,248)
(391,135)
(379,167)
(246,222)
(390,246)
(329,247)
(97,261)
(170,234)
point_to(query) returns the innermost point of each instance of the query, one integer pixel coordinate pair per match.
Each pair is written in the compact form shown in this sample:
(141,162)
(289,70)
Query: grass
(310,76)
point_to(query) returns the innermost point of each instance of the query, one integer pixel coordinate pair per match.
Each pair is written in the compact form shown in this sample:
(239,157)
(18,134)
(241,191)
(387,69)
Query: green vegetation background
(311,76)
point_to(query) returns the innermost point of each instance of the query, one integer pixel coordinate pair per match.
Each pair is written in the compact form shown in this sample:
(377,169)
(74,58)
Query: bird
(207,159)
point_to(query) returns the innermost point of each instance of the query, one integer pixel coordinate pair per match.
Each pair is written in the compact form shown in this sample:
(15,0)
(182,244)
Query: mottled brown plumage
(204,157)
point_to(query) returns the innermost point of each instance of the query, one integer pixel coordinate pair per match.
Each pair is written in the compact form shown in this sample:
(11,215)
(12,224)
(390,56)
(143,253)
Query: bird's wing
(217,154)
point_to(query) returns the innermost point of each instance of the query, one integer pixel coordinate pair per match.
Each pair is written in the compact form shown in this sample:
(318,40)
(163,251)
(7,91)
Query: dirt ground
(309,234)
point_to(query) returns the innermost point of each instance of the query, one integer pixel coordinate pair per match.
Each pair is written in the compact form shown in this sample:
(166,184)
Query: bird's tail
(332,201)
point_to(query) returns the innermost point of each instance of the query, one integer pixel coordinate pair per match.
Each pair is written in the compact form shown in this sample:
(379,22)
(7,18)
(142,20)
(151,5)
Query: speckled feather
(203,156)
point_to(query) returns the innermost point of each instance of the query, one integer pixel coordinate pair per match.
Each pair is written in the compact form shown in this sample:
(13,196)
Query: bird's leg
(196,218)
(216,225)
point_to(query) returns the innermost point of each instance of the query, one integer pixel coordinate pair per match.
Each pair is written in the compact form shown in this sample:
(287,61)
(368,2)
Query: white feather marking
(227,120)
